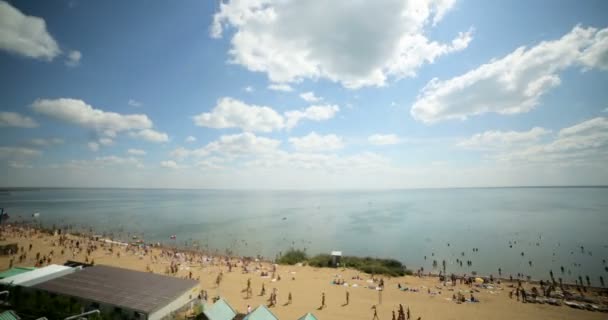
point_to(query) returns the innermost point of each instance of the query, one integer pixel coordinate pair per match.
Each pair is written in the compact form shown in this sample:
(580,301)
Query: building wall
(175,305)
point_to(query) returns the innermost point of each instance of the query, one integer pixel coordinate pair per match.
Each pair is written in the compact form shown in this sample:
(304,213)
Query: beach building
(261,313)
(336,257)
(36,276)
(125,293)
(15,271)
(220,310)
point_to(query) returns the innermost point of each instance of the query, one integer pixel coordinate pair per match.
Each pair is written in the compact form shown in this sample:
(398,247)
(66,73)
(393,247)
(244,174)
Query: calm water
(406,224)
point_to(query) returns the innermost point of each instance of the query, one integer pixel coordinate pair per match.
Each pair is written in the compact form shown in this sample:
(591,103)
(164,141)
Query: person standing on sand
(248,309)
(408,313)
(347,297)
(394,315)
(289,298)
(323,300)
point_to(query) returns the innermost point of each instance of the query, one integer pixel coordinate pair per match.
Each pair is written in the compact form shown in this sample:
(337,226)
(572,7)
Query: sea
(528,230)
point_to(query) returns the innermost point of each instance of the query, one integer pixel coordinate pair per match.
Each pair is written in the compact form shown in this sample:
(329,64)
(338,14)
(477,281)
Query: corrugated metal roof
(261,313)
(308,316)
(220,310)
(139,291)
(15,271)
(9,315)
(24,278)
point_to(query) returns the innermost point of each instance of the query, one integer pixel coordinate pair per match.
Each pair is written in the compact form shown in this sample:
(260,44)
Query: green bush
(292,256)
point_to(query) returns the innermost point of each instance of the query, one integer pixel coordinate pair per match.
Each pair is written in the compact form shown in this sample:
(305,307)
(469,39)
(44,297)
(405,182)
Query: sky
(269,94)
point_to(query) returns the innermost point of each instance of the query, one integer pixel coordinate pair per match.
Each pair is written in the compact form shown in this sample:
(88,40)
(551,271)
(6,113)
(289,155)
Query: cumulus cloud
(13,119)
(280,87)
(494,139)
(357,44)
(232,113)
(248,89)
(150,135)
(512,84)
(190,139)
(105,123)
(102,162)
(169,164)
(18,152)
(236,145)
(73,58)
(136,152)
(46,142)
(583,143)
(25,35)
(314,113)
(310,97)
(93,146)
(134,103)
(314,142)
(383,139)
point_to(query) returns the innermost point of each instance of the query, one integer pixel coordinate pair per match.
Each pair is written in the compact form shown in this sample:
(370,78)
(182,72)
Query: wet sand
(306,285)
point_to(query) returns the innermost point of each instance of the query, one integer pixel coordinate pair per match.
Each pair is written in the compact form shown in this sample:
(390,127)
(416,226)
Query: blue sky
(303,95)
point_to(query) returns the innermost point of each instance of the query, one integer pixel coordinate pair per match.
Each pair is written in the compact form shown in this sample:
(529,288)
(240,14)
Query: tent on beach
(261,313)
(308,316)
(220,310)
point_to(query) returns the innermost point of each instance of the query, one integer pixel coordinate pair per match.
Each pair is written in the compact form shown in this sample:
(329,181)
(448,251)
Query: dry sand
(310,282)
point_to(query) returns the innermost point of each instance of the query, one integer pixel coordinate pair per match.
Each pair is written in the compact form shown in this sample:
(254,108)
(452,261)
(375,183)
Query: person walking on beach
(408,313)
(248,309)
(394,315)
(375,313)
(263,290)
(323,300)
(347,297)
(289,298)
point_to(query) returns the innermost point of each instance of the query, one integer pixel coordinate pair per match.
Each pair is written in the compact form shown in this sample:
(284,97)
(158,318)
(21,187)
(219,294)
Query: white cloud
(136,152)
(105,141)
(358,44)
(150,135)
(46,142)
(584,143)
(25,35)
(134,103)
(169,164)
(232,113)
(310,97)
(248,89)
(322,162)
(314,142)
(18,152)
(500,139)
(280,87)
(73,58)
(78,112)
(314,113)
(102,162)
(93,146)
(13,119)
(383,139)
(105,123)
(512,84)
(242,144)
(190,139)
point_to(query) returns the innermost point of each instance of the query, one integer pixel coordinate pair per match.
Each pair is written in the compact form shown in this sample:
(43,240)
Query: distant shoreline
(22,189)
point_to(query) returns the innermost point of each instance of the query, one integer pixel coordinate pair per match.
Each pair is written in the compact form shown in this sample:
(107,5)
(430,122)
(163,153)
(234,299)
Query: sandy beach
(306,284)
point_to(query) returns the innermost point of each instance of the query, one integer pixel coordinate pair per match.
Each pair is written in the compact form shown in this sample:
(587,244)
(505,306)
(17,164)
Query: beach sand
(310,283)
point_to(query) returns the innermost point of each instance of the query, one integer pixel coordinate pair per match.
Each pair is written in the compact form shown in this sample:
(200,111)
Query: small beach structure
(220,310)
(336,257)
(36,276)
(261,313)
(133,294)
(15,271)
(308,316)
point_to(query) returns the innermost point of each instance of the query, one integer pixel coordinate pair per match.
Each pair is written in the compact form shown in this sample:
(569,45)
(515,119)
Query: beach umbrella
(308,316)
(479,280)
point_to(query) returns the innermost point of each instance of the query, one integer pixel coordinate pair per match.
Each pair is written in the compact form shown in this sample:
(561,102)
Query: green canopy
(14,271)
(220,310)
(261,313)
(308,316)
